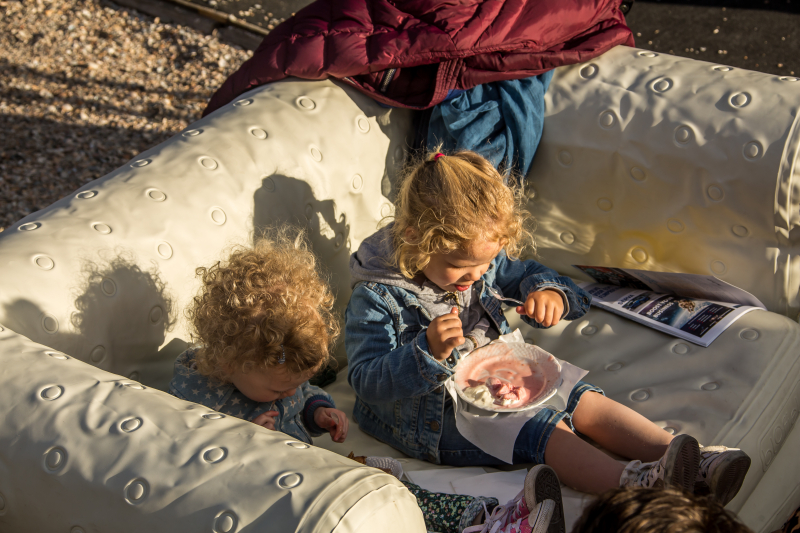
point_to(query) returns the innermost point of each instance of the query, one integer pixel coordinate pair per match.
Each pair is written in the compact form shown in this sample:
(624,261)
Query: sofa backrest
(106,273)
(657,162)
(647,161)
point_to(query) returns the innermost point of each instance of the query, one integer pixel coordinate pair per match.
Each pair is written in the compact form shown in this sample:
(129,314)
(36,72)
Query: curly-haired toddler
(263,325)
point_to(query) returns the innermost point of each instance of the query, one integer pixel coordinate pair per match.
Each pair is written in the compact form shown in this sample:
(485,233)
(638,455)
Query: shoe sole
(682,463)
(542,517)
(729,476)
(542,484)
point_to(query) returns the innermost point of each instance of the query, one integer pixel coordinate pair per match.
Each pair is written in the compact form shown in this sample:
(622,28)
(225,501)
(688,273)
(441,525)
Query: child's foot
(387,464)
(541,483)
(677,468)
(722,472)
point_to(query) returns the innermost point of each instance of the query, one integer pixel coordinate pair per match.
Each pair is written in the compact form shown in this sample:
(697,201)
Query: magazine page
(688,285)
(695,320)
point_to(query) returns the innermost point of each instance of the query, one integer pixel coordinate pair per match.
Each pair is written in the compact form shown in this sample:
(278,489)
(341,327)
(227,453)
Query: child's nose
(473,274)
(288,393)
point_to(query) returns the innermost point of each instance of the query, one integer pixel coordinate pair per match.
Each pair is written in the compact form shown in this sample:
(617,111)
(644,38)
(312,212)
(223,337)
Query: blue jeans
(455,450)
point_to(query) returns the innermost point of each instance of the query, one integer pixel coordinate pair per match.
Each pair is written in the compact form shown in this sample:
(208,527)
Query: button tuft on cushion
(54,459)
(136,491)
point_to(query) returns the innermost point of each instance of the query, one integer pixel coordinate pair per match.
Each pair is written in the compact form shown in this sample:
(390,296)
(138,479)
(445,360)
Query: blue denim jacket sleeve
(517,279)
(380,369)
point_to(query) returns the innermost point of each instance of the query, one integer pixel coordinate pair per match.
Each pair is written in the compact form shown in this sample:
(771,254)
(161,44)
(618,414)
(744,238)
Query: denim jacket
(398,383)
(296,412)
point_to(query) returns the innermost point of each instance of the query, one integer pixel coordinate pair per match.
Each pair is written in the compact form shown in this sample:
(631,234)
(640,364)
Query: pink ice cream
(503,381)
(504,393)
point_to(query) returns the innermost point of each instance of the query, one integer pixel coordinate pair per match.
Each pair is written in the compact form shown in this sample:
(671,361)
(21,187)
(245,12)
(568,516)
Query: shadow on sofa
(283,200)
(122,315)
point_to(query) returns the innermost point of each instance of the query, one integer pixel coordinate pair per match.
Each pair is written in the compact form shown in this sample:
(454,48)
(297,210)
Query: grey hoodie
(372,262)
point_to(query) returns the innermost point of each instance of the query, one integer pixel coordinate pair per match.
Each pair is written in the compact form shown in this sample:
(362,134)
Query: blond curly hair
(450,201)
(263,302)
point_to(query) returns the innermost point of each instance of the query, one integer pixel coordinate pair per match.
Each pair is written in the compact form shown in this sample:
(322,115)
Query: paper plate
(536,371)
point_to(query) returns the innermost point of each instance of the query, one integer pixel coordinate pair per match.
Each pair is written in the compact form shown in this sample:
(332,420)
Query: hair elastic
(283,356)
(438,155)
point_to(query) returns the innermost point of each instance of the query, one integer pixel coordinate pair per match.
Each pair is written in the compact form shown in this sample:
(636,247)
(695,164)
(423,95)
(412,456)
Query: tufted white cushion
(663,163)
(647,160)
(103,276)
(657,162)
(83,450)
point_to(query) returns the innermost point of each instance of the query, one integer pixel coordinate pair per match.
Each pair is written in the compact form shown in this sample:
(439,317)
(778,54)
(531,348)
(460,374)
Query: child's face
(459,269)
(267,385)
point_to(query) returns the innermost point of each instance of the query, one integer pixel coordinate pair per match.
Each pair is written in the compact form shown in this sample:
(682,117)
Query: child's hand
(545,307)
(266,419)
(444,334)
(334,421)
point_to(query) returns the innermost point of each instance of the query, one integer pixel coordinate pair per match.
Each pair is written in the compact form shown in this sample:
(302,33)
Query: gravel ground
(85,86)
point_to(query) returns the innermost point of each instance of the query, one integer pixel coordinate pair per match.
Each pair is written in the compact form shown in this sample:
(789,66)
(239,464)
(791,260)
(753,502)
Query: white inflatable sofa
(647,161)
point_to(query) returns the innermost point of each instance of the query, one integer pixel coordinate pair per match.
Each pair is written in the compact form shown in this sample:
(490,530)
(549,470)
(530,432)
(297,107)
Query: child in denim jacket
(420,300)
(264,326)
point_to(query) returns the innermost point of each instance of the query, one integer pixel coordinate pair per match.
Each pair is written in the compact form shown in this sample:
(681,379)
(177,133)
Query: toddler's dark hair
(641,510)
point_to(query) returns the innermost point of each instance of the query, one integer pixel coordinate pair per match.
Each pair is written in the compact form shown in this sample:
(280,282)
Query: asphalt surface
(755,35)
(759,35)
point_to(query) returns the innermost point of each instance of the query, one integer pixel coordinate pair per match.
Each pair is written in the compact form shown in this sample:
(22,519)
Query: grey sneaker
(387,464)
(722,471)
(677,468)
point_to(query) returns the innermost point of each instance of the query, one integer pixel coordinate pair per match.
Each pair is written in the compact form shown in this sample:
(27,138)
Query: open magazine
(693,307)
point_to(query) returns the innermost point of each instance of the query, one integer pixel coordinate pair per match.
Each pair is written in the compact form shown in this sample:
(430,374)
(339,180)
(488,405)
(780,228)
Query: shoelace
(705,463)
(497,519)
(645,472)
(516,525)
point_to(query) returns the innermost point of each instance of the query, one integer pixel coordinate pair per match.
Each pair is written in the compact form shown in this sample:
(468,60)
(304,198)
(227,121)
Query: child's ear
(227,370)
(411,235)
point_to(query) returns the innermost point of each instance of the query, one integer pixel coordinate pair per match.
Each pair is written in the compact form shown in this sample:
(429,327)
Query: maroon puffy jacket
(410,53)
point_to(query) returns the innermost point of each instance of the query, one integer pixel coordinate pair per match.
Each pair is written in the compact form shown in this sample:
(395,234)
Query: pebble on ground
(87,85)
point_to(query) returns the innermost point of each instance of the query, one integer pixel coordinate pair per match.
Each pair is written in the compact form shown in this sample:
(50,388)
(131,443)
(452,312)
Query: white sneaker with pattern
(386,463)
(722,471)
(677,468)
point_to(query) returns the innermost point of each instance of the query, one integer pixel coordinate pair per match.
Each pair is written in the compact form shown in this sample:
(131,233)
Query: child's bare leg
(579,464)
(619,429)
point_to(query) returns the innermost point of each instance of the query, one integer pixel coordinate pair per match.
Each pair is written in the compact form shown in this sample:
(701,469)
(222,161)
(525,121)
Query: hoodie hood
(372,262)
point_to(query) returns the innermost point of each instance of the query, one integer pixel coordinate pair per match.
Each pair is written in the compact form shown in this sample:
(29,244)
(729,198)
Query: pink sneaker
(537,521)
(541,484)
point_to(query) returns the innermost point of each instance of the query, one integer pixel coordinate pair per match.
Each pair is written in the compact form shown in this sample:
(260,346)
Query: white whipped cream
(481,397)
